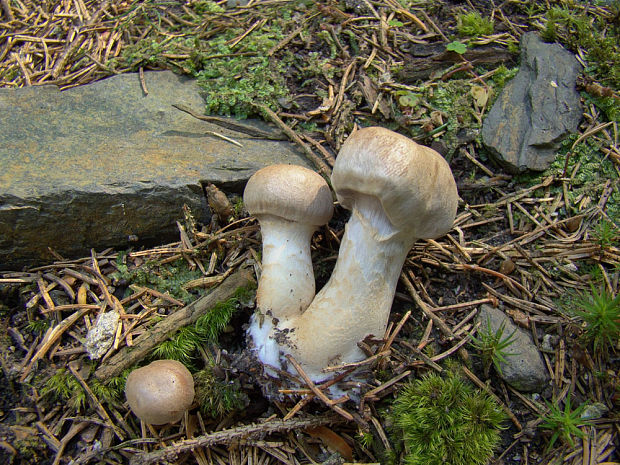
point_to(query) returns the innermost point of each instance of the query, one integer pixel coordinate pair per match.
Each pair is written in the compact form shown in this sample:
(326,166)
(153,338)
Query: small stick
(161,295)
(52,335)
(384,386)
(187,315)
(298,406)
(171,453)
(95,402)
(328,156)
(286,40)
(366,361)
(143,81)
(425,358)
(320,164)
(317,392)
(461,305)
(445,329)
(223,137)
(484,387)
(229,124)
(399,326)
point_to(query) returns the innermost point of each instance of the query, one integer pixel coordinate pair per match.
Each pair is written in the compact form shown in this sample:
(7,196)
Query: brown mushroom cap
(413,183)
(291,192)
(161,392)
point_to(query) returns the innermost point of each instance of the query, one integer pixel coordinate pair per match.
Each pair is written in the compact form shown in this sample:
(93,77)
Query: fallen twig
(165,328)
(171,453)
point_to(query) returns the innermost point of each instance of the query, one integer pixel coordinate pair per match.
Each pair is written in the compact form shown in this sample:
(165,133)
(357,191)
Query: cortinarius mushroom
(290,202)
(161,392)
(398,192)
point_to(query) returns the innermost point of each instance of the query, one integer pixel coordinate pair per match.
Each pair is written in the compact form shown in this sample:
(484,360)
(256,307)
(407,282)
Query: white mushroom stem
(356,301)
(286,286)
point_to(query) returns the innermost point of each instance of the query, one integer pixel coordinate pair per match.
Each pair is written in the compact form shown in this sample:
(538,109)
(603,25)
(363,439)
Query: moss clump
(445,420)
(168,278)
(596,34)
(591,170)
(234,69)
(217,397)
(473,24)
(235,79)
(62,386)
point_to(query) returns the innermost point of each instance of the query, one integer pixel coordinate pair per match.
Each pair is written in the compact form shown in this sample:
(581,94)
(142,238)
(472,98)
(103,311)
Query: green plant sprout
(492,346)
(605,233)
(38,327)
(563,423)
(445,420)
(600,311)
(457,47)
(473,25)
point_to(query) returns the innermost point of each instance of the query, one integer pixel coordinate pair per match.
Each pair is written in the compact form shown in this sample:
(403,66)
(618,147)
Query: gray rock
(536,109)
(99,165)
(524,370)
(100,337)
(594,411)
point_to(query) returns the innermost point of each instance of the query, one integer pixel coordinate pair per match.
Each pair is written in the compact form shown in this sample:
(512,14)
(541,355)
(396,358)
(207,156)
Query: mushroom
(290,202)
(160,392)
(398,192)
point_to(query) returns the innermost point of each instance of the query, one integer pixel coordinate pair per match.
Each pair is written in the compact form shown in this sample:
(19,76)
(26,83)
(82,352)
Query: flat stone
(537,108)
(524,370)
(99,165)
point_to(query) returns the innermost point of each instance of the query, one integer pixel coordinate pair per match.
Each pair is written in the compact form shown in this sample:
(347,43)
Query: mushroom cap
(413,183)
(160,392)
(291,192)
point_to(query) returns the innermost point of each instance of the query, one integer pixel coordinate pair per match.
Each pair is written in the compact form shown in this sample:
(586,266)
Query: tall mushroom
(160,392)
(290,203)
(398,192)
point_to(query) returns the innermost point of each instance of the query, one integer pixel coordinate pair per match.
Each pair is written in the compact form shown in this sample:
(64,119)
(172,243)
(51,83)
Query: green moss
(235,79)
(217,397)
(167,278)
(31,449)
(62,386)
(183,345)
(594,169)
(473,25)
(38,327)
(501,76)
(597,34)
(234,70)
(445,420)
(203,6)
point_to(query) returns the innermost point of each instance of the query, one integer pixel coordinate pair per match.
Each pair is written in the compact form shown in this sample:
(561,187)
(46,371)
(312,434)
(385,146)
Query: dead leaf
(332,440)
(520,318)
(82,293)
(219,203)
(507,266)
(480,95)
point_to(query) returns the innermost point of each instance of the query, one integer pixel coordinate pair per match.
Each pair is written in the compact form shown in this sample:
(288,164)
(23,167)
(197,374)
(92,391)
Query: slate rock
(536,109)
(100,165)
(524,370)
